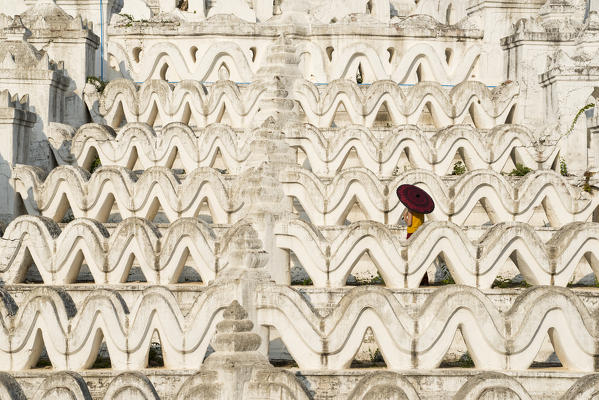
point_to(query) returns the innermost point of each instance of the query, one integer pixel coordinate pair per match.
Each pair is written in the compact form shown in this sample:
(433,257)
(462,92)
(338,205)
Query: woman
(412,197)
(413,219)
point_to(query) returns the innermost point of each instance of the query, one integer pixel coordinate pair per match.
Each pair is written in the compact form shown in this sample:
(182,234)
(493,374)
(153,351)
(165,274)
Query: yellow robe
(417,220)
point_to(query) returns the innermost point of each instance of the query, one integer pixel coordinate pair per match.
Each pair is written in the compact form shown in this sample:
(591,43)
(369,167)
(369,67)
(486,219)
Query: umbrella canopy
(415,199)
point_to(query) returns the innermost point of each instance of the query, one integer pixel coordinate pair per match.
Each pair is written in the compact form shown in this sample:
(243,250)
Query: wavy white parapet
(327,152)
(419,337)
(161,255)
(156,102)
(325,202)
(469,101)
(93,196)
(409,337)
(330,202)
(59,254)
(202,59)
(330,151)
(72,336)
(139,144)
(403,263)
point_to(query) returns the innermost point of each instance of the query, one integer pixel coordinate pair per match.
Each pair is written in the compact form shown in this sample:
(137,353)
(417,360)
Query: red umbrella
(415,199)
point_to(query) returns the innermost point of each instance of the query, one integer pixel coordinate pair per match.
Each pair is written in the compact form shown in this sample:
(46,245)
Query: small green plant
(303,282)
(447,281)
(95,165)
(563,167)
(500,283)
(307,282)
(97,82)
(520,170)
(578,114)
(458,168)
(586,186)
(465,361)
(377,280)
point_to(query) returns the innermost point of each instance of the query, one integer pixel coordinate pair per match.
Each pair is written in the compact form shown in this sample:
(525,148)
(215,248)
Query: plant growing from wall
(458,168)
(586,186)
(95,165)
(97,82)
(520,170)
(578,114)
(563,167)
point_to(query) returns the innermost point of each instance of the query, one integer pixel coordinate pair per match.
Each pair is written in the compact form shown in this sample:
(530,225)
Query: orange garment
(417,220)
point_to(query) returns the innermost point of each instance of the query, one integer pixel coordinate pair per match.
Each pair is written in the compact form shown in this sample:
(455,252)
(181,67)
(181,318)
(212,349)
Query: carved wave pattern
(418,337)
(329,202)
(162,254)
(325,202)
(403,263)
(409,337)
(93,196)
(156,102)
(446,62)
(328,152)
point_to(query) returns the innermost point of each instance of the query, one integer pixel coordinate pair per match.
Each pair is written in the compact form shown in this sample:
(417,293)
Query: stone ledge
(440,384)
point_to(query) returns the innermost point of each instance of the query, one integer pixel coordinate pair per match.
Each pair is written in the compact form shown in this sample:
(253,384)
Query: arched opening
(136,54)
(419,73)
(383,116)
(253,51)
(511,116)
(365,271)
(278,354)
(193,51)
(223,72)
(204,212)
(119,119)
(64,212)
(449,15)
(299,210)
(299,275)
(101,358)
(163,71)
(359,75)
(448,54)
(154,357)
(154,117)
(28,271)
(39,357)
(457,355)
(92,160)
(369,354)
(391,52)
(330,51)
(132,271)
